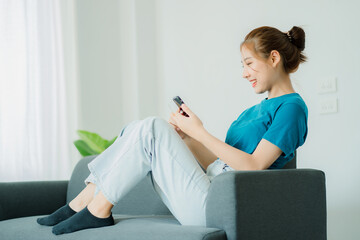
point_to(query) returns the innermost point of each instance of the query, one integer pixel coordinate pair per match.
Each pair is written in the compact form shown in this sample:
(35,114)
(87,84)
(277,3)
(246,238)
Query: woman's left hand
(191,125)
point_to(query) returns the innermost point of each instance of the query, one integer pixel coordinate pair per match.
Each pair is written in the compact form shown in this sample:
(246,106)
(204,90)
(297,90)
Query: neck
(283,86)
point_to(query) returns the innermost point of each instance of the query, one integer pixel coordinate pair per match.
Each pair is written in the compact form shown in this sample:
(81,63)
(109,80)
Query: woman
(264,136)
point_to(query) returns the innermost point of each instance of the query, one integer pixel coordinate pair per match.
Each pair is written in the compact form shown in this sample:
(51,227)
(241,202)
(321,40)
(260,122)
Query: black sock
(82,220)
(59,215)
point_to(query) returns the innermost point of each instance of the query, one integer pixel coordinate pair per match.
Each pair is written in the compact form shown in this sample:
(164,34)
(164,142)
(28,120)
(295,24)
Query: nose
(245,73)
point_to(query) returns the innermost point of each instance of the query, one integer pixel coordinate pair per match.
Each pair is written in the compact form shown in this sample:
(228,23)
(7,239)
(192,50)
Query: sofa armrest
(269,204)
(21,199)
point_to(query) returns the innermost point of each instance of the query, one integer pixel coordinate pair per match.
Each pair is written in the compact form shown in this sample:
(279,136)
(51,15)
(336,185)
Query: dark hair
(290,45)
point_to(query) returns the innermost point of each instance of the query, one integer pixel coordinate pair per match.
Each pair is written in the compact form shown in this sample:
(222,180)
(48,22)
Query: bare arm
(204,156)
(263,156)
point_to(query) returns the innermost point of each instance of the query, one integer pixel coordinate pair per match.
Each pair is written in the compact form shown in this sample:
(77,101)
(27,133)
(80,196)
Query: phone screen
(178,101)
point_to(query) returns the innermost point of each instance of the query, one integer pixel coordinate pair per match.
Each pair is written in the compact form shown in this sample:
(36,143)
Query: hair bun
(297,37)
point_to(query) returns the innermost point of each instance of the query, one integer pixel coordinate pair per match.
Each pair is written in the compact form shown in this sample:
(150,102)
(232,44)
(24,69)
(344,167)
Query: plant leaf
(93,140)
(83,148)
(111,142)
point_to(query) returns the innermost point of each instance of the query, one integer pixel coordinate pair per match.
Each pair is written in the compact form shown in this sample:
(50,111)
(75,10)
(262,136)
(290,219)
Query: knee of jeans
(157,123)
(150,119)
(154,118)
(161,123)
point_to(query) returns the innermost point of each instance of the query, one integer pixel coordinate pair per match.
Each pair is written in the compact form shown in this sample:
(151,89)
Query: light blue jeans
(153,146)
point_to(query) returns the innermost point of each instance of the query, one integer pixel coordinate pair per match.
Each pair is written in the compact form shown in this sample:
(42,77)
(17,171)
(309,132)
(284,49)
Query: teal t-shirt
(281,120)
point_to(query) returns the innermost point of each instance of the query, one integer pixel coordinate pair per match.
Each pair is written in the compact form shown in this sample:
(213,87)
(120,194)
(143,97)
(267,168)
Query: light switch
(327,85)
(328,105)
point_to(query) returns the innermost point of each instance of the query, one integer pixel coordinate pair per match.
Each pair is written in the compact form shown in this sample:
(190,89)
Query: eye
(248,63)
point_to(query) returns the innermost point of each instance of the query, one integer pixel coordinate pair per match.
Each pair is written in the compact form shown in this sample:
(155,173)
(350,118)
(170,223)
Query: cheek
(257,67)
(262,72)
(268,74)
(251,69)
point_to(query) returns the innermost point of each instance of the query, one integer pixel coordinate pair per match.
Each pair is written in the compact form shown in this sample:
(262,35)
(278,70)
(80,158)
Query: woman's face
(258,71)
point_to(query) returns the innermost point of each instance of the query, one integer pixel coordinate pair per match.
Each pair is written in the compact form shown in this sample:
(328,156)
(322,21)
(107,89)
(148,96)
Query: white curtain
(33,126)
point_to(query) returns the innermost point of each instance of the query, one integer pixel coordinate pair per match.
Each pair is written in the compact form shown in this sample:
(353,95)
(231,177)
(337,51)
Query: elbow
(252,165)
(257,163)
(256,168)
(249,169)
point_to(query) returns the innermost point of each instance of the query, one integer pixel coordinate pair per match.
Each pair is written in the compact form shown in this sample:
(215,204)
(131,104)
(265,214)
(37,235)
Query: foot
(84,198)
(82,220)
(58,216)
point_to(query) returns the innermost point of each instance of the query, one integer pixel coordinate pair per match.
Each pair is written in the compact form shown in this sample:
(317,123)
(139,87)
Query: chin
(258,91)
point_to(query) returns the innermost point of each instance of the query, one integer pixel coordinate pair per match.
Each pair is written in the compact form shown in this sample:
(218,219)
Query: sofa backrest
(141,200)
(292,163)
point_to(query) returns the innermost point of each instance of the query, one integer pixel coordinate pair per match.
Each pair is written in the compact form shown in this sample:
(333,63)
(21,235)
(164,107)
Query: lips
(253,82)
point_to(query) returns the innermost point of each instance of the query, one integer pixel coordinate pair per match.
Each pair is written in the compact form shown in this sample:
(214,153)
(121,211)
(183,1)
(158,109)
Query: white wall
(99,70)
(117,66)
(150,51)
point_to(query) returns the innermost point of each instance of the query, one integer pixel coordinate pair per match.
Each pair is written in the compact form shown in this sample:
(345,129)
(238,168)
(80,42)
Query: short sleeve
(288,129)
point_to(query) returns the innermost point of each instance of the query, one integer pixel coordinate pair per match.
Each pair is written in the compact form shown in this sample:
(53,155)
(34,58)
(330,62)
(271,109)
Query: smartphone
(178,101)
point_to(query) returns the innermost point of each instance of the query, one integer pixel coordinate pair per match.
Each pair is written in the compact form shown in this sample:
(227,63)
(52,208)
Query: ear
(275,58)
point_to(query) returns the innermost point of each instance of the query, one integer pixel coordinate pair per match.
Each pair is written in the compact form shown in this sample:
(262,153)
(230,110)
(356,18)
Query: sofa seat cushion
(126,228)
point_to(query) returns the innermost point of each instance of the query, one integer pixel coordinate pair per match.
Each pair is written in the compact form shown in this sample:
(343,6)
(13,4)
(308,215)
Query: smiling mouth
(253,83)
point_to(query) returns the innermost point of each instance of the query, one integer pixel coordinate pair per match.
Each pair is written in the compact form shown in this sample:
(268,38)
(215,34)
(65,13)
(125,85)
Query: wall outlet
(327,85)
(328,105)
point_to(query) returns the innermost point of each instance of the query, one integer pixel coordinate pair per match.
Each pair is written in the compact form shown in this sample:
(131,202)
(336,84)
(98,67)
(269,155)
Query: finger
(173,116)
(182,135)
(172,120)
(176,117)
(186,109)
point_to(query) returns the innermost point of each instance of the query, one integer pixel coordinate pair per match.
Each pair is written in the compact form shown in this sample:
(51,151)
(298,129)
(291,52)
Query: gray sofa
(288,204)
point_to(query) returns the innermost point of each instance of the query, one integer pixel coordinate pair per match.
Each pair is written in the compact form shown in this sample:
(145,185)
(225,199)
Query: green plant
(91,143)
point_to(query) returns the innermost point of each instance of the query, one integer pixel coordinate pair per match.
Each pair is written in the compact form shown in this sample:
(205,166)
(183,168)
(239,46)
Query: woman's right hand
(177,129)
